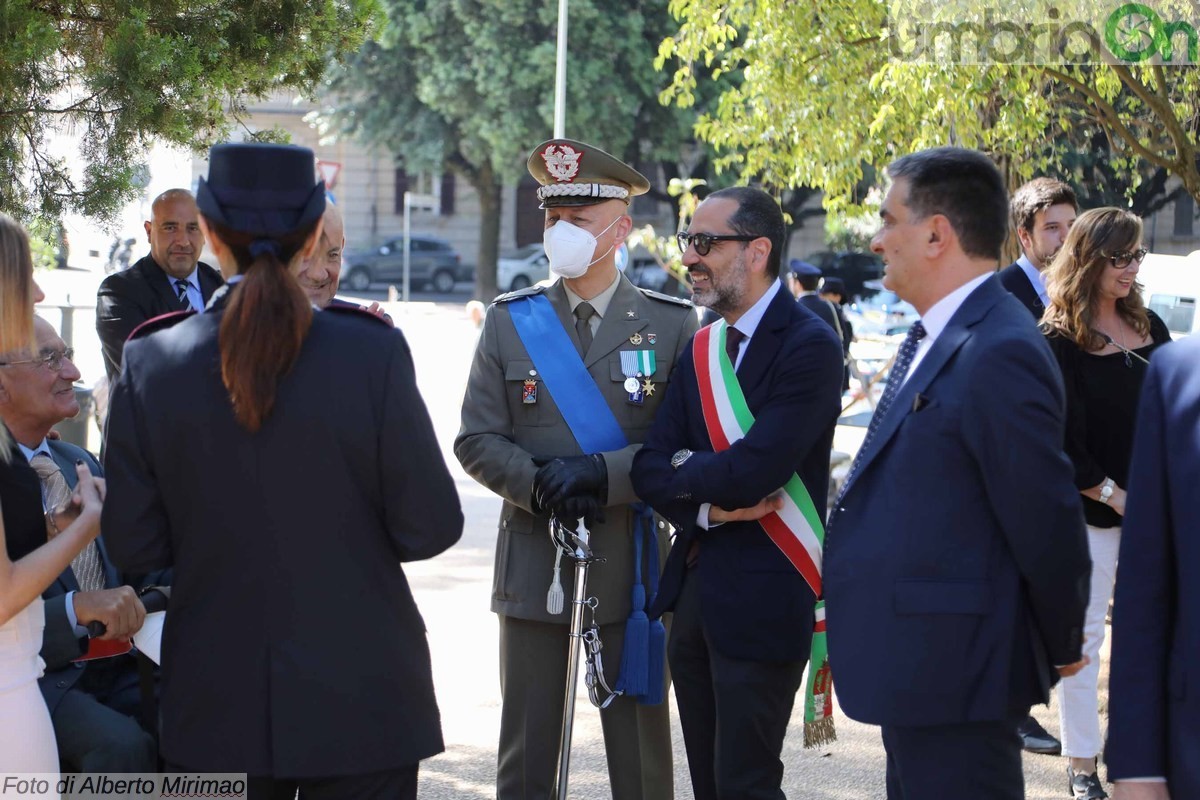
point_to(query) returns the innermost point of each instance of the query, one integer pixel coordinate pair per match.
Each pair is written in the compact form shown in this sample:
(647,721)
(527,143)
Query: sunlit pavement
(453,591)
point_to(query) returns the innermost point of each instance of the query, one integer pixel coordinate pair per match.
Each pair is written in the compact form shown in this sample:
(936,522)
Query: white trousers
(1079,695)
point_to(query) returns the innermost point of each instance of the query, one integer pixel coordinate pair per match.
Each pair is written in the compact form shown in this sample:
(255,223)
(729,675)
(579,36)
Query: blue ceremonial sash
(575,393)
(596,430)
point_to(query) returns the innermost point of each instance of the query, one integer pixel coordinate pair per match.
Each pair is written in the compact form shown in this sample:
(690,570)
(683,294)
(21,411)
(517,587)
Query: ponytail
(265,322)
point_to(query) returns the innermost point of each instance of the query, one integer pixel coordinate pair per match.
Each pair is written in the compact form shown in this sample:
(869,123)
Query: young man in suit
(170,278)
(1153,720)
(1042,212)
(521,439)
(956,571)
(93,705)
(744,613)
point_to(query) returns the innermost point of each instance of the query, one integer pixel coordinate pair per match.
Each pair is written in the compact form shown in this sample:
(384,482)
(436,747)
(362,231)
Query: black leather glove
(560,479)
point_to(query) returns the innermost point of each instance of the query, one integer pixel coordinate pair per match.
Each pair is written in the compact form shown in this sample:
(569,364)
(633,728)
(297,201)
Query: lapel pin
(636,339)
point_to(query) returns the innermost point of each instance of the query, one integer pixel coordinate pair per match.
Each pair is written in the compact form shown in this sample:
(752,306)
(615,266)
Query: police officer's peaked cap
(803,269)
(261,189)
(572,173)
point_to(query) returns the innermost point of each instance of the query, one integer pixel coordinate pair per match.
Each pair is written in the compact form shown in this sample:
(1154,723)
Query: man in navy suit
(171,278)
(743,614)
(1153,702)
(1043,210)
(956,566)
(92,704)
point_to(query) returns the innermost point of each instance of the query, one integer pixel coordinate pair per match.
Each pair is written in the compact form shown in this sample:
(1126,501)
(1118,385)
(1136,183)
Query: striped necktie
(181,287)
(89,572)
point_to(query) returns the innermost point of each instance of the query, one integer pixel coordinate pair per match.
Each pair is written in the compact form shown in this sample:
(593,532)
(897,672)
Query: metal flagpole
(560,75)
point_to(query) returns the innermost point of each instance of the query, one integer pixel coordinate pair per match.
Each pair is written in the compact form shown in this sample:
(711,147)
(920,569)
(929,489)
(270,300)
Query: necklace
(1129,354)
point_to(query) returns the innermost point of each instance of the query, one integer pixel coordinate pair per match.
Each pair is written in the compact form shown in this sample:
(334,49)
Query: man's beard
(724,294)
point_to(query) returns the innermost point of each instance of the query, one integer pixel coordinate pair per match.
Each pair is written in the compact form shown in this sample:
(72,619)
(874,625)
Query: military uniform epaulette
(679,301)
(159,323)
(528,291)
(351,308)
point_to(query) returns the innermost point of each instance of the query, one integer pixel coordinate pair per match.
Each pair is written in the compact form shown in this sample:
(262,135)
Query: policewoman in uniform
(282,460)
(590,346)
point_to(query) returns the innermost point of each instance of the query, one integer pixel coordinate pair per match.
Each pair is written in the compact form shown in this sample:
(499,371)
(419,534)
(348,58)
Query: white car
(521,268)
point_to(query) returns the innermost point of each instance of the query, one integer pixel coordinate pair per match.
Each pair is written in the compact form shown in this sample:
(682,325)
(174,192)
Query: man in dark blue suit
(743,613)
(1043,210)
(1153,748)
(93,704)
(956,567)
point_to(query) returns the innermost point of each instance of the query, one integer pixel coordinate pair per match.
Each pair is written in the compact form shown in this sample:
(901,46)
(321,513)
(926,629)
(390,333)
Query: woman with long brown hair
(1102,335)
(28,562)
(282,460)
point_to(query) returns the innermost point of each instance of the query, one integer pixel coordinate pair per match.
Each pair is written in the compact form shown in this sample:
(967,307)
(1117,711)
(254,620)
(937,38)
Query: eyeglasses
(703,242)
(51,361)
(1123,258)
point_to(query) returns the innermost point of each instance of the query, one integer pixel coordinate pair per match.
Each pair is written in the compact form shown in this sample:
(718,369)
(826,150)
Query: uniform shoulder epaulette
(528,291)
(342,307)
(666,298)
(159,323)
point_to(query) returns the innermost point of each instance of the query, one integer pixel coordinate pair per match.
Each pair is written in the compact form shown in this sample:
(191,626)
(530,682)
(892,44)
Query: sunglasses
(703,242)
(1123,258)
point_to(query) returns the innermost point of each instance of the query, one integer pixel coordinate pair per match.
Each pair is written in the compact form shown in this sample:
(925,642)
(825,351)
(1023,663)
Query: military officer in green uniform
(514,440)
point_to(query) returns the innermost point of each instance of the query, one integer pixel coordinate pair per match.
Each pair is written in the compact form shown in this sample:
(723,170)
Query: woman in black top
(1102,336)
(28,562)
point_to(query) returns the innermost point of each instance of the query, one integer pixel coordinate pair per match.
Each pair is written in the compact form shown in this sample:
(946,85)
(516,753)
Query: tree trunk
(487,185)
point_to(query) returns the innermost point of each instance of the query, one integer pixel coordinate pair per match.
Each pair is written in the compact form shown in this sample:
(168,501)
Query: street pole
(560,75)
(424,202)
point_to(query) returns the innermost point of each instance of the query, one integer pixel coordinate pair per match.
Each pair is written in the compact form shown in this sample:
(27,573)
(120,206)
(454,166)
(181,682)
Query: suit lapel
(210,280)
(765,343)
(158,281)
(955,334)
(617,326)
(65,464)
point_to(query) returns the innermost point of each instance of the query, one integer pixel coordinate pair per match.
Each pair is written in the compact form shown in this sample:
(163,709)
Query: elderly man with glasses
(92,704)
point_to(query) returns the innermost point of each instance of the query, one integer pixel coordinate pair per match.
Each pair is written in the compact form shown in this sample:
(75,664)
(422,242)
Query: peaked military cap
(261,189)
(572,173)
(802,268)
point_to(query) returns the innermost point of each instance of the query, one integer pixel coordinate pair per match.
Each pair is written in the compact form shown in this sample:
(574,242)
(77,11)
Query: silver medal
(632,385)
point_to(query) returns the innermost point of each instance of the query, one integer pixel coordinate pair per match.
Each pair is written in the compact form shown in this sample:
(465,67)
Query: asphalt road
(453,591)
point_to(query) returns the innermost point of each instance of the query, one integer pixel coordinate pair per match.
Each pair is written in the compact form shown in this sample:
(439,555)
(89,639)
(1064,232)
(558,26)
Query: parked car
(523,267)
(434,264)
(855,269)
(883,313)
(646,273)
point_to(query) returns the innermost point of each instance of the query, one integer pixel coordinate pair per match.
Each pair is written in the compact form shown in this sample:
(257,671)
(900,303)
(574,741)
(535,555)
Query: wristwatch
(1106,490)
(680,457)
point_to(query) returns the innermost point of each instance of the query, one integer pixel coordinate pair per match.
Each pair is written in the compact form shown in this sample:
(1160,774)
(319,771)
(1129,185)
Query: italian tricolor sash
(796,529)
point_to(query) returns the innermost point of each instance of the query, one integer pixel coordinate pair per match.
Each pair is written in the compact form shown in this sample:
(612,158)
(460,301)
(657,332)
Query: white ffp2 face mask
(570,248)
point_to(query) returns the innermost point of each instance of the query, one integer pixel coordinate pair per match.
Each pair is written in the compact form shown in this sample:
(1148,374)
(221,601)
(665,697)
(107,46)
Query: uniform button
(662,524)
(505,523)
(533,372)
(61,684)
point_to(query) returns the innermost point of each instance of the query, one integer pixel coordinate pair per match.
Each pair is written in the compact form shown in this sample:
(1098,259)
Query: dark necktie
(181,287)
(895,378)
(733,338)
(87,567)
(583,316)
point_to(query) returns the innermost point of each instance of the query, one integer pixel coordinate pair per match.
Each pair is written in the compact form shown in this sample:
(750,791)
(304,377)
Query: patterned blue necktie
(895,379)
(182,288)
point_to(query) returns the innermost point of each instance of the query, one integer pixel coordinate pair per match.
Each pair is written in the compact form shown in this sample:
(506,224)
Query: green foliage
(820,95)
(118,72)
(469,85)
(852,227)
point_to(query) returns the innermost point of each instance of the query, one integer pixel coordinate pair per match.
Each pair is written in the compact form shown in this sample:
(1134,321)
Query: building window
(1185,215)
(441,187)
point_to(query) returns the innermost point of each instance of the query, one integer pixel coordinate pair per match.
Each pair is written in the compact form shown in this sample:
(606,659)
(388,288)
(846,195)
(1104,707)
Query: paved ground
(453,592)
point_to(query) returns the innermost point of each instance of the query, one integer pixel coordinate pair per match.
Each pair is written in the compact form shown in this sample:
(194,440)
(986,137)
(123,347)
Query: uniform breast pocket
(637,408)
(529,401)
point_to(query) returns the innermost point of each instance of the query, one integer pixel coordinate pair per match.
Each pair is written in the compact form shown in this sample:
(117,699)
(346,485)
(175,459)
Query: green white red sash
(796,529)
